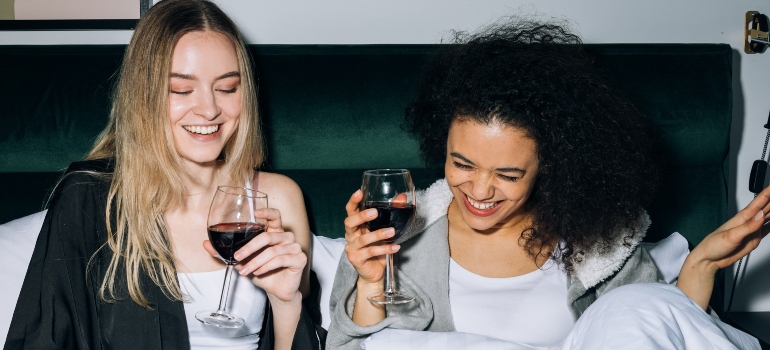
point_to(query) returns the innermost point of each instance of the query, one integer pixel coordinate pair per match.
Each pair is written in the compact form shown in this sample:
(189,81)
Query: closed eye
(186,92)
(462,166)
(229,91)
(507,178)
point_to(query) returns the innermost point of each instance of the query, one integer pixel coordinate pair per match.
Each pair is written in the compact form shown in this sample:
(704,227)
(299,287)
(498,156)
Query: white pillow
(326,257)
(17,241)
(669,254)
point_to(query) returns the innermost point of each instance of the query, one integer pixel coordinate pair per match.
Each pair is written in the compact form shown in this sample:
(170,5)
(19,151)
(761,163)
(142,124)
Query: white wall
(598,21)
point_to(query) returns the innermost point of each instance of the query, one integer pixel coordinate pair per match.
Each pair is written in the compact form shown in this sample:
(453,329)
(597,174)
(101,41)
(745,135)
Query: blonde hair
(148,169)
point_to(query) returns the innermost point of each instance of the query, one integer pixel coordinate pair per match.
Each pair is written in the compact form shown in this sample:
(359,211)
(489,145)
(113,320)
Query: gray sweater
(423,271)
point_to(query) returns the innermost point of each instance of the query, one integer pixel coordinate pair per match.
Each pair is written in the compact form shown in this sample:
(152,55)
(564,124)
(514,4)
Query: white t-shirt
(530,309)
(202,292)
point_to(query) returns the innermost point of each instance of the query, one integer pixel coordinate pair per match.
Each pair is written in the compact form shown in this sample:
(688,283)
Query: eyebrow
(193,77)
(504,170)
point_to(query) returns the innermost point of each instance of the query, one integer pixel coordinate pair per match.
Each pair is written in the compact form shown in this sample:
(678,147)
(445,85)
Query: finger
(294,261)
(766,210)
(745,247)
(761,202)
(369,238)
(355,198)
(400,198)
(737,235)
(210,248)
(268,254)
(263,240)
(273,217)
(376,236)
(358,219)
(743,216)
(359,257)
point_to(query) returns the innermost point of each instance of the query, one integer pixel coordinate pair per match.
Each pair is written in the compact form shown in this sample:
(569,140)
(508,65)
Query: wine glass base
(390,298)
(219,319)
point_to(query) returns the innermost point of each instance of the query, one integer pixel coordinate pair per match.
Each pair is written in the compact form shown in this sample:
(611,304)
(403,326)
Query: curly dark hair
(596,151)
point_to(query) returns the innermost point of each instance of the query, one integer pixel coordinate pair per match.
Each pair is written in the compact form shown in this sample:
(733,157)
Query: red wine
(395,215)
(228,237)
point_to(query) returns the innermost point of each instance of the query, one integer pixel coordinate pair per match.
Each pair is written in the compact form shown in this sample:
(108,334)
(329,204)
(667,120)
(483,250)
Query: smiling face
(491,170)
(204,95)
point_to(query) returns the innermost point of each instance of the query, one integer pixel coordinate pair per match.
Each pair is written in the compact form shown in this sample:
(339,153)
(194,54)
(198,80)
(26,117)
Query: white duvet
(632,317)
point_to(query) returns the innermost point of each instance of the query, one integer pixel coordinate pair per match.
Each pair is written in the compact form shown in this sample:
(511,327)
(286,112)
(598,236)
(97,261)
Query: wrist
(285,302)
(368,288)
(696,265)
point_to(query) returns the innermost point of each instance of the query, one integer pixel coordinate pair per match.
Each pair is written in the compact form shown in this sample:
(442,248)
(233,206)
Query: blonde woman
(122,260)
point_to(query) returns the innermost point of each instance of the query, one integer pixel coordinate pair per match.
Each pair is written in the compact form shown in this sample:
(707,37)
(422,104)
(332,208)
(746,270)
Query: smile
(481,209)
(202,130)
(482,205)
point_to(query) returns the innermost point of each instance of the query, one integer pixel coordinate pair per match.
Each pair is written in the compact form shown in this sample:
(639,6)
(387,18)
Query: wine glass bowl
(391,192)
(231,224)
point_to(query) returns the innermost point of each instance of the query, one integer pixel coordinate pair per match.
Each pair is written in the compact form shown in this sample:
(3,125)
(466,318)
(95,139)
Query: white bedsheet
(632,317)
(17,241)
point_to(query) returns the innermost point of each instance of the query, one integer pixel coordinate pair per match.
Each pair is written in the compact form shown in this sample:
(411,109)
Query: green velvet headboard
(331,111)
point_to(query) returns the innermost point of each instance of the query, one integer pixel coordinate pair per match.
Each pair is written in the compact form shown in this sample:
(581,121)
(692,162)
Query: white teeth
(203,130)
(480,205)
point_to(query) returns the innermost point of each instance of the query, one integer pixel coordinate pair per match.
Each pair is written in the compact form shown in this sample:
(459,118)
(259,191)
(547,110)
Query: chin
(201,158)
(477,223)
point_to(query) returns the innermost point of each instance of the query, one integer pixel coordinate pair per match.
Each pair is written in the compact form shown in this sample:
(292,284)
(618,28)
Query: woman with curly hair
(541,212)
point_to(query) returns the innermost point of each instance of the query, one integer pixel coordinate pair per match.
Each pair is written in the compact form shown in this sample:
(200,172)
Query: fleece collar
(596,265)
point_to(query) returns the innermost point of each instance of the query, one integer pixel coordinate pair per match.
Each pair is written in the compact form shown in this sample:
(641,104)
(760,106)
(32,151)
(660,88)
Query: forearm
(364,312)
(286,315)
(696,280)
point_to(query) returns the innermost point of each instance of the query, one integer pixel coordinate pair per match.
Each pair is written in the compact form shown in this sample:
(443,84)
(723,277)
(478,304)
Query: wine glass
(231,224)
(391,192)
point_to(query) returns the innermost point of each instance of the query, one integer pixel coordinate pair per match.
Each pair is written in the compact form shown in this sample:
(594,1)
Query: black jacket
(59,305)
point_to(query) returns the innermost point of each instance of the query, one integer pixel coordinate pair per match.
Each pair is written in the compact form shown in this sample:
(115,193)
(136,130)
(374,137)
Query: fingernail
(238,256)
(390,231)
(396,247)
(371,213)
(243,272)
(759,216)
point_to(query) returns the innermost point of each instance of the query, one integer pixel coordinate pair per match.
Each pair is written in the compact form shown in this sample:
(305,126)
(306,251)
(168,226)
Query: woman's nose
(206,105)
(482,188)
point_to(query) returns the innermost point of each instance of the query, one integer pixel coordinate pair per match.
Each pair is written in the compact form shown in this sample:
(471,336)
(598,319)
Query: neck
(200,179)
(507,236)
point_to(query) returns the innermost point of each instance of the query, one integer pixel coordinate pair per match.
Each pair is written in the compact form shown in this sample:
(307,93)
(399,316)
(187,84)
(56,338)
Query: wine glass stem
(390,277)
(225,289)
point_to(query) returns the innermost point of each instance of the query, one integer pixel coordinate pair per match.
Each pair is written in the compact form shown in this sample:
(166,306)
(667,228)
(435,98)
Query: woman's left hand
(727,244)
(273,260)
(737,237)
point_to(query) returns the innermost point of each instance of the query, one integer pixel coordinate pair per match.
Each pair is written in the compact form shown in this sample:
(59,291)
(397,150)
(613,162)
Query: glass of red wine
(231,224)
(391,192)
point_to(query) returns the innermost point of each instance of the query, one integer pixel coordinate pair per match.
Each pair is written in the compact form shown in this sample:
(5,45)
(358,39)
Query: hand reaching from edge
(727,244)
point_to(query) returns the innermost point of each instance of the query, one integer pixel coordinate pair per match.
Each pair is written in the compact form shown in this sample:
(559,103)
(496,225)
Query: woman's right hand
(366,250)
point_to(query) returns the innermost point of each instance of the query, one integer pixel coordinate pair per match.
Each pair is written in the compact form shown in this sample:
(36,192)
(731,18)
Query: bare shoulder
(279,188)
(285,195)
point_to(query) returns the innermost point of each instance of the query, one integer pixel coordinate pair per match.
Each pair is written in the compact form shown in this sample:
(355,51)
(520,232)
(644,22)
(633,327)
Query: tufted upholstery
(331,111)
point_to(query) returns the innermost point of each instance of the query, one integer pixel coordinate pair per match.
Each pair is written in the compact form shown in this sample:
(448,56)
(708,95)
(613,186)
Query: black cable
(732,292)
(740,262)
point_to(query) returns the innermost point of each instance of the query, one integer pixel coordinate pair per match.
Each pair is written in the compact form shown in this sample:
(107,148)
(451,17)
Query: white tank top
(202,291)
(530,309)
